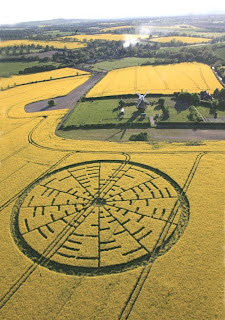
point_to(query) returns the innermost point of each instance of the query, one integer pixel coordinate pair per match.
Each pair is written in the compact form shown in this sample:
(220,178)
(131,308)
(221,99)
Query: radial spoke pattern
(111,214)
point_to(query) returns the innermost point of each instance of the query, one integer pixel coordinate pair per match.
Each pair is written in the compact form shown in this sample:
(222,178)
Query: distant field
(107,36)
(116,28)
(177,26)
(55,44)
(191,31)
(182,39)
(10,68)
(121,63)
(165,79)
(209,34)
(29,78)
(55,33)
(142,27)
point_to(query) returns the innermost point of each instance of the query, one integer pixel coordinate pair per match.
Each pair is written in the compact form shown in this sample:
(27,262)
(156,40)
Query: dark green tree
(51,103)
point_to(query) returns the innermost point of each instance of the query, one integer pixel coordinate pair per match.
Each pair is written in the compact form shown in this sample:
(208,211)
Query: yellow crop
(116,28)
(55,44)
(166,79)
(107,36)
(48,75)
(182,39)
(74,214)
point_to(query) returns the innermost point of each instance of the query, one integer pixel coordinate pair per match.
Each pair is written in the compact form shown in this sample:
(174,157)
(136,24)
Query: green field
(55,33)
(103,112)
(11,68)
(121,63)
(107,112)
(199,33)
(206,112)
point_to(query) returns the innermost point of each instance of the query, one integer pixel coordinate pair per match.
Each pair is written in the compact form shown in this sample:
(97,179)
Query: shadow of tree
(157,107)
(116,109)
(134,116)
(181,106)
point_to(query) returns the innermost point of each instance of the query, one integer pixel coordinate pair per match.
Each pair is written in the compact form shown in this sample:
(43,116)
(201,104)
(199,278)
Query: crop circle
(99,217)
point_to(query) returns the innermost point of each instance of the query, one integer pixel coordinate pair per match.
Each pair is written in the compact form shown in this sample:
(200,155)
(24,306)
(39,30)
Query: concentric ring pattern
(99,216)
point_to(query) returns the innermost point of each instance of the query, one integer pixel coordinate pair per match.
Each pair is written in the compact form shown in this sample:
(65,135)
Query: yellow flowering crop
(47,75)
(116,28)
(55,44)
(107,36)
(106,230)
(166,79)
(182,39)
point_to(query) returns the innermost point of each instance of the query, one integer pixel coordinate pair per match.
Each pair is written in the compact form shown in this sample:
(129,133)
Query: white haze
(130,42)
(26,10)
(140,30)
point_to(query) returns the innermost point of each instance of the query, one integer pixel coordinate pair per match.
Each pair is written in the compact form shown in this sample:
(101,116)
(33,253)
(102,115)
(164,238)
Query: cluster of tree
(190,98)
(188,54)
(182,34)
(19,49)
(165,110)
(98,50)
(193,99)
(194,115)
(218,39)
(142,136)
(47,32)
(12,34)
(36,69)
(25,58)
(219,102)
(221,71)
(95,50)
(131,30)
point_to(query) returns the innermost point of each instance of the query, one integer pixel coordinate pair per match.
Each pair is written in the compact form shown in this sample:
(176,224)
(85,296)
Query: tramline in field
(164,79)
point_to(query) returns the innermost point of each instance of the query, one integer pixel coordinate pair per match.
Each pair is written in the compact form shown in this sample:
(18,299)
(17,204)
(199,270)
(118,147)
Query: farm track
(175,135)
(146,270)
(65,102)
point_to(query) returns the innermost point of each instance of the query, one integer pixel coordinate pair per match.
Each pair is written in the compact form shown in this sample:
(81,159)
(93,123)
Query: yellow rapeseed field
(165,79)
(102,230)
(107,36)
(116,28)
(182,39)
(47,75)
(55,44)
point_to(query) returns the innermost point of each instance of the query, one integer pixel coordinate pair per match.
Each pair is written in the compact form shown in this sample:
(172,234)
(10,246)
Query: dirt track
(65,102)
(122,135)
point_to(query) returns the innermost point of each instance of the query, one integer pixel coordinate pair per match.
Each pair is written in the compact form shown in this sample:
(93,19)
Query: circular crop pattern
(99,216)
